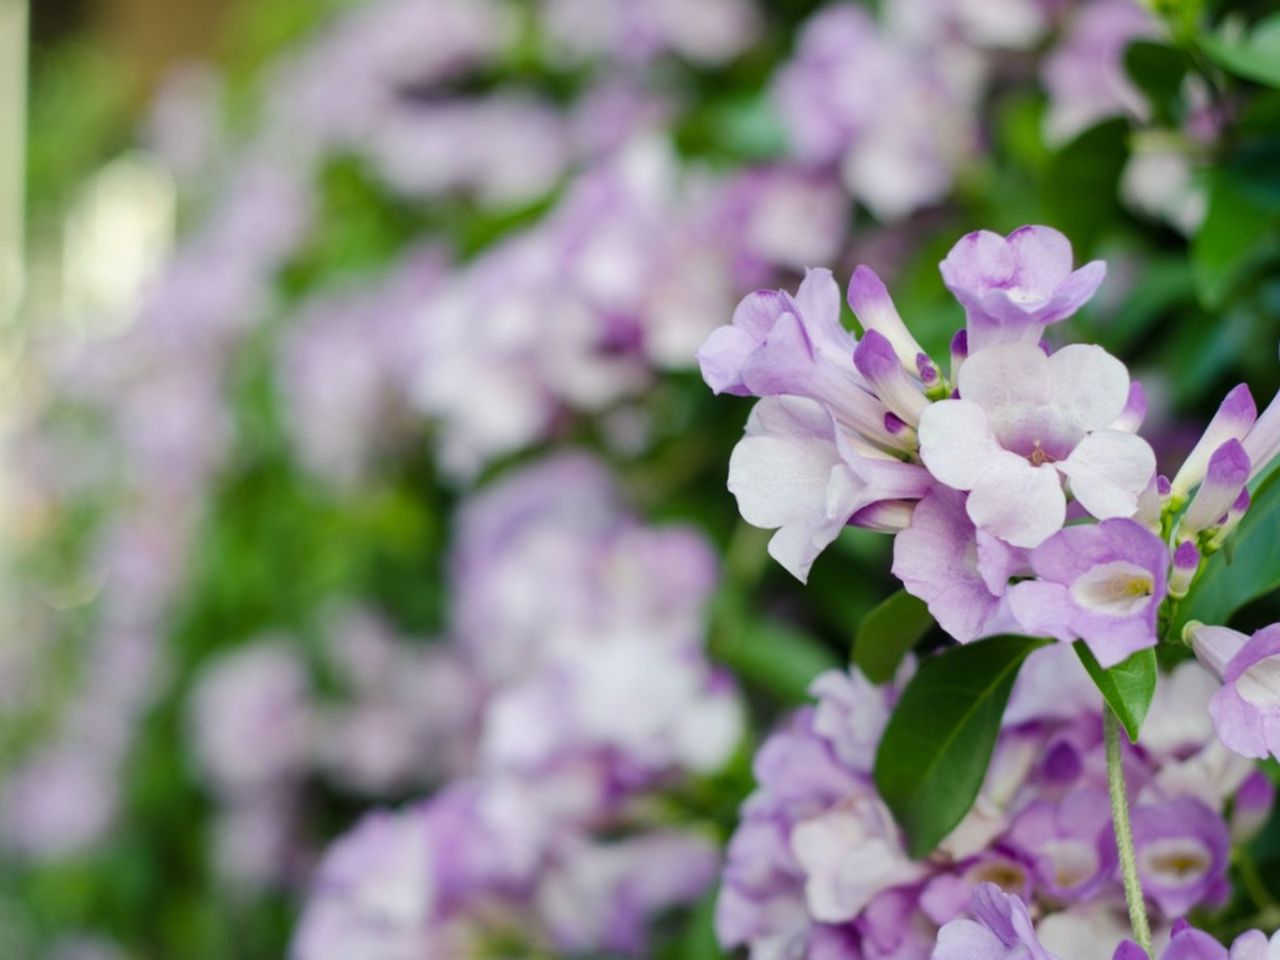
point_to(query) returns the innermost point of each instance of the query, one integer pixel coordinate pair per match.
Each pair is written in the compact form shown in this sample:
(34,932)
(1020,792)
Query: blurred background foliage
(1192,314)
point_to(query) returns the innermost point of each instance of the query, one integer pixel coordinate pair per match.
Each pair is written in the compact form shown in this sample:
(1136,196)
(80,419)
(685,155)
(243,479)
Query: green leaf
(1158,71)
(1235,236)
(1248,568)
(1255,57)
(1127,687)
(936,748)
(885,635)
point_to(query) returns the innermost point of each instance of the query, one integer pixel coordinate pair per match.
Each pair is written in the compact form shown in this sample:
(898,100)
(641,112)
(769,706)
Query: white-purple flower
(1085,75)
(1024,423)
(1233,420)
(1182,850)
(1099,583)
(1001,930)
(1013,287)
(1246,711)
(959,571)
(1067,843)
(791,473)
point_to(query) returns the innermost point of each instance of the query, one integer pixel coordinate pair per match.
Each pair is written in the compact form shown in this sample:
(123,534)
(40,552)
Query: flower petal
(1043,609)
(780,474)
(1017,502)
(1108,471)
(1006,375)
(1074,292)
(1089,384)
(956,444)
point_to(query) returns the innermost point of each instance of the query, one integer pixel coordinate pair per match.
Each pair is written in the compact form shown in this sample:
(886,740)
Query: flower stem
(1124,833)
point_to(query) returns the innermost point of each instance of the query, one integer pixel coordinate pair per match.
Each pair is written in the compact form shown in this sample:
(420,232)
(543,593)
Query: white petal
(1089,384)
(1021,504)
(1108,472)
(956,442)
(1006,375)
(777,480)
(796,545)
(1260,684)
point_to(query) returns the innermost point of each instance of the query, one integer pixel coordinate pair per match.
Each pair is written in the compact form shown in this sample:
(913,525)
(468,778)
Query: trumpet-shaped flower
(1235,418)
(1001,930)
(958,571)
(1262,443)
(1182,852)
(784,345)
(1025,421)
(1224,481)
(1013,287)
(1246,711)
(1099,583)
(791,472)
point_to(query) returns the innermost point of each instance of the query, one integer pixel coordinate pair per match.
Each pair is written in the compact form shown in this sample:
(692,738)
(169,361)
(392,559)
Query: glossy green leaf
(1248,568)
(1255,56)
(936,748)
(1236,234)
(1127,687)
(892,628)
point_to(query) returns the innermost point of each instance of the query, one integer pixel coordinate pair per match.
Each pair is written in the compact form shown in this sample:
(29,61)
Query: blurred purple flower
(1085,74)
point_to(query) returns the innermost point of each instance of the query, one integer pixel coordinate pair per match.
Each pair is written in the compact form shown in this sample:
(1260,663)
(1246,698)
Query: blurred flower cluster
(1040,828)
(376,592)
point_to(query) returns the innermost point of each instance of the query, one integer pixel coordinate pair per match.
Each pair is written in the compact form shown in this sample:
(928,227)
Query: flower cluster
(260,732)
(631,265)
(1001,928)
(594,698)
(985,473)
(817,866)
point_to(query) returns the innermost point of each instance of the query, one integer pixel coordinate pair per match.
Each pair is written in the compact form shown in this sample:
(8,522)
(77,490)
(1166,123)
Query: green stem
(1124,833)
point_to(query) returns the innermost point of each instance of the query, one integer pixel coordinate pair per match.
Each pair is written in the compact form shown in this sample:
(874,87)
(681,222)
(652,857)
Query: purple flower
(1012,288)
(632,31)
(1233,420)
(649,710)
(1085,75)
(1252,808)
(601,896)
(960,572)
(788,473)
(785,216)
(879,365)
(1224,481)
(778,344)
(1068,843)
(1188,943)
(1186,563)
(374,892)
(58,803)
(1182,851)
(887,113)
(1246,711)
(1026,421)
(250,715)
(1001,930)
(850,853)
(1102,584)
(872,305)
(851,714)
(1262,442)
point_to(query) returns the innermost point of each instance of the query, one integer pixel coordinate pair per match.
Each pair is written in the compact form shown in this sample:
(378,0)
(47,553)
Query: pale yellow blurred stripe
(13,123)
